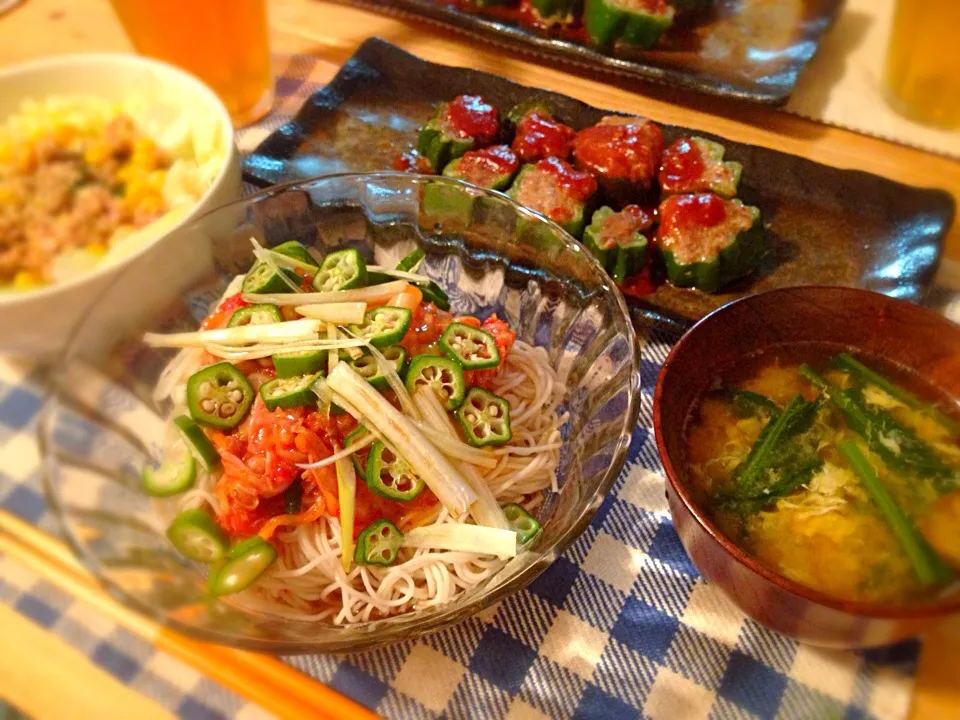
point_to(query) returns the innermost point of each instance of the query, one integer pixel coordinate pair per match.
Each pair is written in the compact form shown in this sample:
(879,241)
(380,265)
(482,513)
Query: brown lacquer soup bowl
(905,334)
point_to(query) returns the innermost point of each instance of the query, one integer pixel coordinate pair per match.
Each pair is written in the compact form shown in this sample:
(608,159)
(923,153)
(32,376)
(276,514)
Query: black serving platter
(747,49)
(825,225)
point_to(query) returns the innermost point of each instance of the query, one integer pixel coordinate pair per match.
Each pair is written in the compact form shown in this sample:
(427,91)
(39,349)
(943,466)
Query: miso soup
(840,472)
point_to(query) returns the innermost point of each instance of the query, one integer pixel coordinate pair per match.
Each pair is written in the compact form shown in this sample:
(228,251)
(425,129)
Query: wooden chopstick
(260,678)
(52,662)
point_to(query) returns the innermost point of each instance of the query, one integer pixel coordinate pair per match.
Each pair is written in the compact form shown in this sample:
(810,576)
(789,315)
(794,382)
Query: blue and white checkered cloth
(621,626)
(129,658)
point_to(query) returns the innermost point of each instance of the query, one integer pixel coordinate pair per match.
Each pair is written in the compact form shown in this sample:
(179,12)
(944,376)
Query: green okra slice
(294,250)
(259,314)
(289,392)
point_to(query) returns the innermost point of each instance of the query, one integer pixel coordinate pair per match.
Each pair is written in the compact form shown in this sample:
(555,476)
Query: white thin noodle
(308,582)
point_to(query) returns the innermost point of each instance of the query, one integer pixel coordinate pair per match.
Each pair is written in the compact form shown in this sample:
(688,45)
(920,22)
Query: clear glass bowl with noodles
(101,424)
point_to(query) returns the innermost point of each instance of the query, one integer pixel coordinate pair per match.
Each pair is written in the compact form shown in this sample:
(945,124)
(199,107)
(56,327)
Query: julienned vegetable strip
(278,333)
(369,295)
(927,565)
(262,350)
(400,274)
(389,372)
(332,358)
(847,362)
(346,496)
(377,412)
(485,509)
(338,313)
(352,447)
(465,538)
(451,446)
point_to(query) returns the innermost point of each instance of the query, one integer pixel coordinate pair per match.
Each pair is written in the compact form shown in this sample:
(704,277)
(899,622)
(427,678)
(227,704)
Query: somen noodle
(421,439)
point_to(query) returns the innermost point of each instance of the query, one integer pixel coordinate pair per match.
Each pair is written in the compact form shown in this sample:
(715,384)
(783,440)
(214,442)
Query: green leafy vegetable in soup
(838,472)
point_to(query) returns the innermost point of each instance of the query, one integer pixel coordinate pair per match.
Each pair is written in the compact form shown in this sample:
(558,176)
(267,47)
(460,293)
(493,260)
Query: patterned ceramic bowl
(101,424)
(36,322)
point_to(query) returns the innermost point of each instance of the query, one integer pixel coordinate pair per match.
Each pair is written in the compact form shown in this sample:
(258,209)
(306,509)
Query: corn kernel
(127,173)
(63,134)
(135,191)
(156,179)
(24,280)
(8,196)
(152,203)
(97,249)
(144,145)
(96,153)
(146,154)
(25,159)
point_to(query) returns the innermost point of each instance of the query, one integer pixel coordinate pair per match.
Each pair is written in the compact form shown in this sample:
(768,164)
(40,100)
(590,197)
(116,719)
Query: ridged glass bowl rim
(353,641)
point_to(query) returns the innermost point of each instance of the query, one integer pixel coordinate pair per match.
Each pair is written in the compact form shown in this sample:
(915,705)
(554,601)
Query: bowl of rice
(101,157)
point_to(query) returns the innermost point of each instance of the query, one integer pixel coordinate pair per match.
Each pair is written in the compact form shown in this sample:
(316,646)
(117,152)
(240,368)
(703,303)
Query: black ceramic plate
(826,226)
(748,49)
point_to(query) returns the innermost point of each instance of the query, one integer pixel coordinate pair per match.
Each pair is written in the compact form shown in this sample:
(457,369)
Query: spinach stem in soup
(929,568)
(750,404)
(847,362)
(753,476)
(896,445)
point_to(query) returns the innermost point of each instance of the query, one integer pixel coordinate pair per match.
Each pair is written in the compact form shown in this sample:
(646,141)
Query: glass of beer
(222,42)
(923,65)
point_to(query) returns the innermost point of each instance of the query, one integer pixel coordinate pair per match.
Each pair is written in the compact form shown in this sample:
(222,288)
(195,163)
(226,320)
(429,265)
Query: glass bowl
(100,424)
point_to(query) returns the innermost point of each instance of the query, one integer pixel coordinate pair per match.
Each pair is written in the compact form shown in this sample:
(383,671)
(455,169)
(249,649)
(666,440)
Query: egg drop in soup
(838,471)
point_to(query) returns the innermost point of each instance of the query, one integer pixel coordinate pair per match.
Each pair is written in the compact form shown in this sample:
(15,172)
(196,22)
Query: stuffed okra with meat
(492,168)
(637,23)
(616,239)
(622,153)
(464,123)
(707,241)
(537,135)
(555,189)
(693,164)
(555,12)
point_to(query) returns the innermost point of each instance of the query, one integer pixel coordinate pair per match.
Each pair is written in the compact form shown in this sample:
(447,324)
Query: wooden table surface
(332,32)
